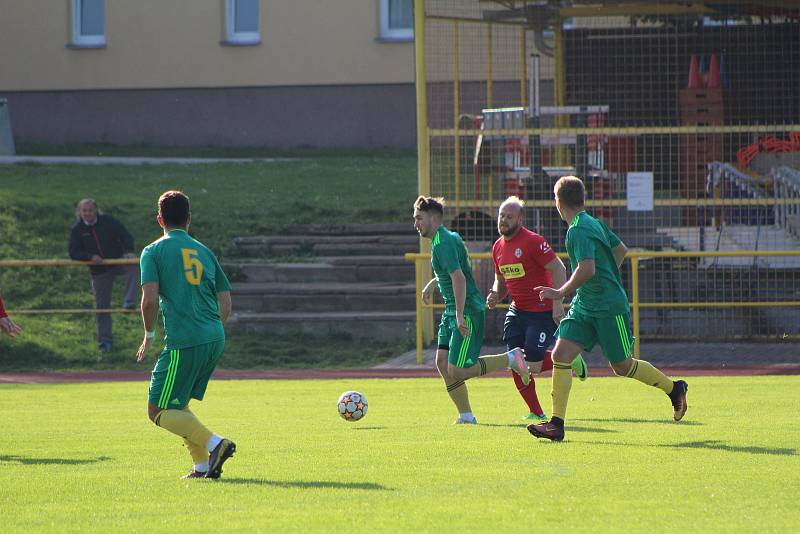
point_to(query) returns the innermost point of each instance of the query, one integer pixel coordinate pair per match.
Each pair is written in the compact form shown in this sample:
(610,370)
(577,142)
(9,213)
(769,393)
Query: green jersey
(189,278)
(603,294)
(449,254)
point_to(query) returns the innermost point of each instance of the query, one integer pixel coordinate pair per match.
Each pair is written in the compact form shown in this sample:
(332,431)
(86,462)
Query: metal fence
(669,296)
(683,119)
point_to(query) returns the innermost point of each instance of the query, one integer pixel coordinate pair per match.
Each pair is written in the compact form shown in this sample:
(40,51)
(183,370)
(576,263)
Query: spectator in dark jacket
(96,237)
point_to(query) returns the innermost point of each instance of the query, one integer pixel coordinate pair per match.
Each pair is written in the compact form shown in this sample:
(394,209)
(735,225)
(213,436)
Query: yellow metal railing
(636,304)
(61,263)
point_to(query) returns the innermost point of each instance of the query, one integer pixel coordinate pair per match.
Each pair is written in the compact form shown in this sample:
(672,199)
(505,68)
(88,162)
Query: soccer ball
(352,405)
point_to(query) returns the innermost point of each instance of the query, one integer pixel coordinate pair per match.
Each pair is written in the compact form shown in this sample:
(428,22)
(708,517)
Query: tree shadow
(708,445)
(568,427)
(51,461)
(722,446)
(634,420)
(323,484)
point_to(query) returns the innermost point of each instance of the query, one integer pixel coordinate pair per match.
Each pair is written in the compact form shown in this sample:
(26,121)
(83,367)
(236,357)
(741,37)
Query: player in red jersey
(524,260)
(7,326)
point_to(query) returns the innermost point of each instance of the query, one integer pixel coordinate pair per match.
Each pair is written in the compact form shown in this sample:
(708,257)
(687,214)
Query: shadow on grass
(644,421)
(51,461)
(714,445)
(722,446)
(370,428)
(324,484)
(569,428)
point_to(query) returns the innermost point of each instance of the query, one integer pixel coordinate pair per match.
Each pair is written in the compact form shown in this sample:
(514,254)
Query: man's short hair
(513,201)
(570,191)
(85,201)
(174,208)
(436,205)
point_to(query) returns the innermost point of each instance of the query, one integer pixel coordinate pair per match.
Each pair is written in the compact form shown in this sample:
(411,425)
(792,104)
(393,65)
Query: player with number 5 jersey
(183,278)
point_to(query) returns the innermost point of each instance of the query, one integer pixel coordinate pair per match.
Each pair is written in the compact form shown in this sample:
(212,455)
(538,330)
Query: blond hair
(436,205)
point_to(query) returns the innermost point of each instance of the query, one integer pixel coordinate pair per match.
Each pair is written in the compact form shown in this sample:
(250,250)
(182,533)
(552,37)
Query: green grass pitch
(85,457)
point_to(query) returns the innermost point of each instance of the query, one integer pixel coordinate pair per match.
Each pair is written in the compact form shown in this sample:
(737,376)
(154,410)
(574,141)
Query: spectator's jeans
(102,285)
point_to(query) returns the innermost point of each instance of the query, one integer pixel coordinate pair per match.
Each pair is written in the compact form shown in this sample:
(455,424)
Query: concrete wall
(321,116)
(320,76)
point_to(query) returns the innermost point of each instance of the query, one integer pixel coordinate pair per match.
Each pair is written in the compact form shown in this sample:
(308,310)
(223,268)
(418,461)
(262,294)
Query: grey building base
(6,137)
(364,116)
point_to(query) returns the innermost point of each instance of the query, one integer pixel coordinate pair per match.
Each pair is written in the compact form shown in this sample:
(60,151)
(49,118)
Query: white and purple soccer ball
(352,405)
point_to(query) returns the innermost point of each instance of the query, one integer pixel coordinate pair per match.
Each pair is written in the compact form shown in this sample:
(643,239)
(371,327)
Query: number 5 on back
(192,267)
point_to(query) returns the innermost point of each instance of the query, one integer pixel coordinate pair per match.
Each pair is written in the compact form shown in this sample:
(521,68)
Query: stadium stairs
(326,280)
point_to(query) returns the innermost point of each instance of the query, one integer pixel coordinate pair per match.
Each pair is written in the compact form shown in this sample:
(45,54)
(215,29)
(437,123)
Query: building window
(241,22)
(397,20)
(88,24)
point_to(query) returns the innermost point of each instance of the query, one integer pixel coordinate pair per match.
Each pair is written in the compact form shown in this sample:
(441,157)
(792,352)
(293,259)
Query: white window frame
(232,37)
(393,34)
(80,40)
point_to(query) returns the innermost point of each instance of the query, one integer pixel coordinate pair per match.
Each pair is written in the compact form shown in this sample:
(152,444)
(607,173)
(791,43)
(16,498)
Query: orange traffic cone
(714,81)
(695,81)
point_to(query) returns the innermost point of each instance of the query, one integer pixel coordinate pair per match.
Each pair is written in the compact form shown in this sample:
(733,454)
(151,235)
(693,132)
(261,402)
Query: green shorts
(183,374)
(462,351)
(613,333)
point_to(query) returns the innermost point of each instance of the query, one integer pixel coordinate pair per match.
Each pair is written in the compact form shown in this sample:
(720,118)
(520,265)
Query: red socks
(529,393)
(547,363)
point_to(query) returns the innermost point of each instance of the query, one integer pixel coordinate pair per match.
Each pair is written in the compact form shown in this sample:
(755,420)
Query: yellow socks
(645,373)
(459,395)
(489,364)
(562,383)
(199,454)
(184,424)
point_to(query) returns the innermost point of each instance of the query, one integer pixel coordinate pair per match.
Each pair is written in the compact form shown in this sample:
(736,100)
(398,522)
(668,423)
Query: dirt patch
(302,374)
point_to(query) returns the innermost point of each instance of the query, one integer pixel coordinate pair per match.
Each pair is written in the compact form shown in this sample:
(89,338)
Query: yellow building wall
(176,43)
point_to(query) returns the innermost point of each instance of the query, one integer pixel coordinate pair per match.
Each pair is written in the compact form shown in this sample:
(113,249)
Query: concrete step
(325,245)
(369,325)
(354,229)
(320,297)
(330,269)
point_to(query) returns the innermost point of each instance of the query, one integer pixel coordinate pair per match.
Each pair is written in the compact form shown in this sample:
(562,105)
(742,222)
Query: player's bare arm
(619,253)
(225,305)
(460,294)
(559,275)
(7,326)
(427,291)
(582,274)
(497,293)
(149,315)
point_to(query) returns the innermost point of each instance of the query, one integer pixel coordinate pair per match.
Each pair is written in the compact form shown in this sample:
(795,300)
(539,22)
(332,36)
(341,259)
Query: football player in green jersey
(599,313)
(461,330)
(183,277)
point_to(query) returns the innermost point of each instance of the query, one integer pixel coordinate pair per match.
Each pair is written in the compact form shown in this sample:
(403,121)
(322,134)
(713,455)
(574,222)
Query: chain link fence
(682,119)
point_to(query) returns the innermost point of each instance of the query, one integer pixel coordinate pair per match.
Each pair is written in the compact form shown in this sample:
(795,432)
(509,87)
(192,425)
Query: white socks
(212,443)
(466,416)
(201,468)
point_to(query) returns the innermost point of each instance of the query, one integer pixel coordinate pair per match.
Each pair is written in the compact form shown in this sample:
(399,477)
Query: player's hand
(95,259)
(492,299)
(548,293)
(146,342)
(7,326)
(462,326)
(558,311)
(427,293)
